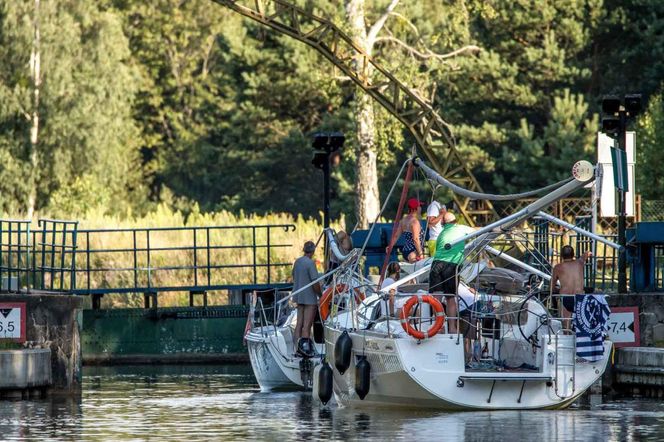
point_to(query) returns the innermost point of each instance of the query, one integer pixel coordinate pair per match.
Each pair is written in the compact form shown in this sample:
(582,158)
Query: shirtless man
(569,274)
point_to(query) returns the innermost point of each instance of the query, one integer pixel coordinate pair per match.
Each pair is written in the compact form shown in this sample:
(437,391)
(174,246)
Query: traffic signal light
(633,104)
(610,125)
(610,104)
(329,142)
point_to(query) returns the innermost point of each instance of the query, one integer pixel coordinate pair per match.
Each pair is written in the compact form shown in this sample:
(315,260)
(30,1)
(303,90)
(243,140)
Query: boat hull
(432,375)
(268,373)
(273,363)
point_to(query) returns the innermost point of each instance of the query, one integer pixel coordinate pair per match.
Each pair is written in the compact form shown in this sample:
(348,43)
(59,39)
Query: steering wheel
(544,319)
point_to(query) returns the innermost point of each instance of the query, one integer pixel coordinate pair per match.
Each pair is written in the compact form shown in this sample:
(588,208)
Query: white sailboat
(273,358)
(528,357)
(270,333)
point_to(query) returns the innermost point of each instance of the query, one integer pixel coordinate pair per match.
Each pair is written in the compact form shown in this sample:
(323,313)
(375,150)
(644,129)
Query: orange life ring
(437,308)
(325,301)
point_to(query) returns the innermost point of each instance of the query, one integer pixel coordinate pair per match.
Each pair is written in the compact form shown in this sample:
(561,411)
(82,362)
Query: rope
(435,176)
(382,209)
(397,220)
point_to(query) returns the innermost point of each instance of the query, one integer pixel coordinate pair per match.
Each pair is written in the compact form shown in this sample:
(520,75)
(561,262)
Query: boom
(430,131)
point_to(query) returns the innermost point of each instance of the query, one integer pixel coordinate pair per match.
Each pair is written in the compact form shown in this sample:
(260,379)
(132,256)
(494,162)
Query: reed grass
(286,247)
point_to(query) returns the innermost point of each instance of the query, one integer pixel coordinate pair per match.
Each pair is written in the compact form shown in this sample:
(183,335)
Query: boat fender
(325,383)
(362,377)
(342,352)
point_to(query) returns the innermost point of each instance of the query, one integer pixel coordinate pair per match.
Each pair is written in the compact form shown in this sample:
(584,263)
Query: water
(223,403)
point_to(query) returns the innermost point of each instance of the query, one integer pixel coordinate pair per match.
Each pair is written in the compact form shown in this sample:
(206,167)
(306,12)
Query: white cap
(449,218)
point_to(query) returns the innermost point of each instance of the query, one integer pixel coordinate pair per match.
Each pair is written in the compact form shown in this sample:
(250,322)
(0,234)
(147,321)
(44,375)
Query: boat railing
(270,314)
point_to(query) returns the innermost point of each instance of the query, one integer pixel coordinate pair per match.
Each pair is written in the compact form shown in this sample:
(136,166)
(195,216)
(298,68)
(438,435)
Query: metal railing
(542,248)
(659,267)
(41,259)
(58,257)
(15,254)
(54,255)
(202,259)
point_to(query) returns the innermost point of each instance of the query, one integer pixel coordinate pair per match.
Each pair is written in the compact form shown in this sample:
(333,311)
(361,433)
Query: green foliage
(84,106)
(649,150)
(189,105)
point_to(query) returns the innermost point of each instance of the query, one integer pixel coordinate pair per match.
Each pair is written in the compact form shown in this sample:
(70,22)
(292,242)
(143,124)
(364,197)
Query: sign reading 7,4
(623,326)
(618,327)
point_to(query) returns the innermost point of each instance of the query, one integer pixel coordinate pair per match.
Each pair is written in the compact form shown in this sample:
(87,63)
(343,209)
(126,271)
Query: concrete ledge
(640,370)
(641,357)
(24,369)
(171,358)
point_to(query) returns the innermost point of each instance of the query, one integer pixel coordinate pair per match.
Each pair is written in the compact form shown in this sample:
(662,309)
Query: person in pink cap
(411,230)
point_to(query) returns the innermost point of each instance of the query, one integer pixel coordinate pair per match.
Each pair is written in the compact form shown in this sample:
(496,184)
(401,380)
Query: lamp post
(617,113)
(326,146)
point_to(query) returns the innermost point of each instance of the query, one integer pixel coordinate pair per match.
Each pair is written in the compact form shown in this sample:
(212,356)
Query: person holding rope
(435,214)
(304,273)
(443,277)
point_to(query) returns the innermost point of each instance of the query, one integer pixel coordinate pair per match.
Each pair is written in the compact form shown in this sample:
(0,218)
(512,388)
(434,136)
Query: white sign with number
(622,327)
(12,318)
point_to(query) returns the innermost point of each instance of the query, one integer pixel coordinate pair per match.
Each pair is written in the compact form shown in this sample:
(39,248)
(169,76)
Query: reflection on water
(223,402)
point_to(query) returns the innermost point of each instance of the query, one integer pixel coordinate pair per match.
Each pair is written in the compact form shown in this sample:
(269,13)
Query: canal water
(224,403)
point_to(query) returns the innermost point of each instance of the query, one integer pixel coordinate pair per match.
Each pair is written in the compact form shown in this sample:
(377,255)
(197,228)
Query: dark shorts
(443,277)
(467,326)
(568,303)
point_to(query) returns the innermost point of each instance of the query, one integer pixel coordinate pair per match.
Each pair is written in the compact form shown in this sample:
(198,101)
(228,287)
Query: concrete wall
(52,322)
(651,315)
(639,371)
(24,369)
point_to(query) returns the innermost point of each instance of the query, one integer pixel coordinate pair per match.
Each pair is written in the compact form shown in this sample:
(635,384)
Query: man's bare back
(570,275)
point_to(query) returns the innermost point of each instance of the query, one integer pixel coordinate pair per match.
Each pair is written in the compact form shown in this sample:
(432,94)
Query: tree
(226,109)
(522,100)
(649,153)
(626,50)
(377,40)
(66,92)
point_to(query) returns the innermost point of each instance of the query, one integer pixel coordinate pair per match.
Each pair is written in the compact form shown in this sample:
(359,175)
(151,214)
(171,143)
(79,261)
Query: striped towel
(591,313)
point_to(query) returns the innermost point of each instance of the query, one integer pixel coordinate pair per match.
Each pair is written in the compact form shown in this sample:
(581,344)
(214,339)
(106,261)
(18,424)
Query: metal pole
(326,192)
(622,263)
(516,262)
(326,205)
(578,230)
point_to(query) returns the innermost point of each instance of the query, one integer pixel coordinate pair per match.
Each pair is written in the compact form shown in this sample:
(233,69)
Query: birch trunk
(35,76)
(367,204)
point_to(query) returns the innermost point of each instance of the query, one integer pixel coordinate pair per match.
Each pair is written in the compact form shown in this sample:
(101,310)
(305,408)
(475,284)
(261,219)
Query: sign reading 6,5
(7,326)
(12,321)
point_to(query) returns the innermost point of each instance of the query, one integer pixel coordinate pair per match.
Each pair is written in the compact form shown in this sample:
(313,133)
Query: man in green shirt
(443,278)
